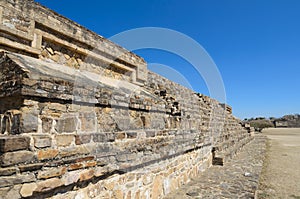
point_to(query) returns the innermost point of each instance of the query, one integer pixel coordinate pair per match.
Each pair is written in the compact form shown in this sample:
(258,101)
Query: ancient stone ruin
(287,121)
(81,117)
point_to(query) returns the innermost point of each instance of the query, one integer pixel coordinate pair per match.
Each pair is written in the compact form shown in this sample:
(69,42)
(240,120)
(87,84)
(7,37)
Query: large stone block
(30,167)
(136,123)
(86,175)
(47,154)
(83,139)
(76,150)
(29,122)
(19,179)
(131,135)
(104,137)
(50,173)
(126,157)
(47,124)
(122,123)
(48,185)
(12,158)
(120,135)
(71,177)
(118,194)
(15,124)
(10,122)
(88,121)
(42,141)
(14,143)
(14,192)
(64,140)
(27,189)
(67,124)
(7,171)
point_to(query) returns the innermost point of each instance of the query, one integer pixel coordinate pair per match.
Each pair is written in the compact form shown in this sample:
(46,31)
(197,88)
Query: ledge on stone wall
(41,32)
(27,76)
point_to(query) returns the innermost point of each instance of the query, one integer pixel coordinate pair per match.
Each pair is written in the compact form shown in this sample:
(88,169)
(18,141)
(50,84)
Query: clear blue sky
(254,43)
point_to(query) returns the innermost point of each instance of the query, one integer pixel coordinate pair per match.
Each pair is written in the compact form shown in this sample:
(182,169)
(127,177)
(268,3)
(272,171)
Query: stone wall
(81,117)
(30,29)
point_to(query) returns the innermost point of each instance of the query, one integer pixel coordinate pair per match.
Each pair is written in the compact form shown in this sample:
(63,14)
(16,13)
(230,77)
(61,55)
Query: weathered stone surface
(64,140)
(150,133)
(137,194)
(47,154)
(14,143)
(67,124)
(71,177)
(13,123)
(148,179)
(7,171)
(128,195)
(91,164)
(131,135)
(12,158)
(47,124)
(228,181)
(104,137)
(86,175)
(76,166)
(99,171)
(110,185)
(30,167)
(83,139)
(50,173)
(126,157)
(120,136)
(48,185)
(157,187)
(19,179)
(118,194)
(146,119)
(122,123)
(14,192)
(29,121)
(27,189)
(75,151)
(81,165)
(83,159)
(88,121)
(3,191)
(71,160)
(42,141)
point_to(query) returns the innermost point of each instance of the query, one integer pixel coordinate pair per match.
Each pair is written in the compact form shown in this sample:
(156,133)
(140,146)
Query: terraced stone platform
(238,178)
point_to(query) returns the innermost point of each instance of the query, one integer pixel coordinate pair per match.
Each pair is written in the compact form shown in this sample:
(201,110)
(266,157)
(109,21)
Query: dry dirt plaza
(281,173)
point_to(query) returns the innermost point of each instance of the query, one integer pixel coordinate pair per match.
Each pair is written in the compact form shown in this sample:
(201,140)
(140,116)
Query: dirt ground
(280,176)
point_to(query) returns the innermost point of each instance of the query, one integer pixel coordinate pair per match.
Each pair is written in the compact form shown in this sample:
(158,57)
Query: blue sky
(254,43)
